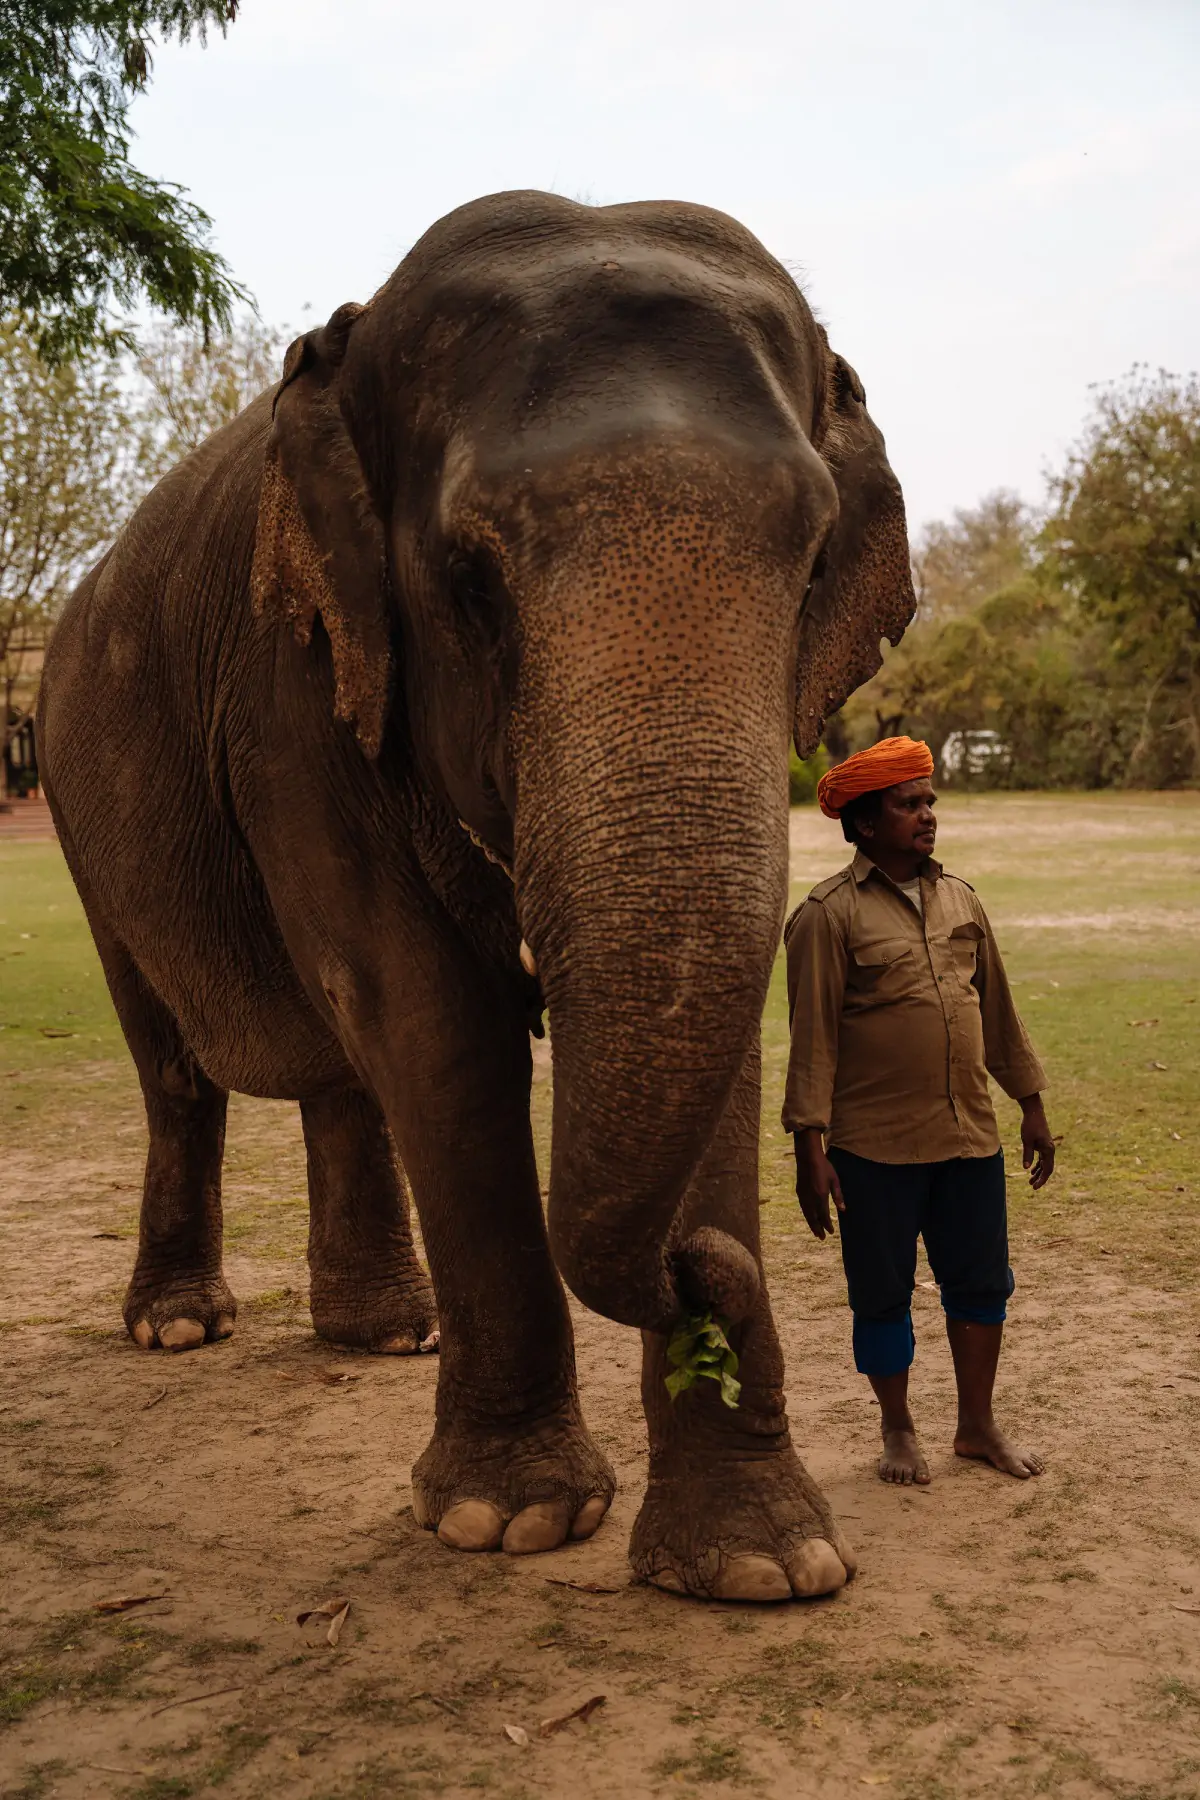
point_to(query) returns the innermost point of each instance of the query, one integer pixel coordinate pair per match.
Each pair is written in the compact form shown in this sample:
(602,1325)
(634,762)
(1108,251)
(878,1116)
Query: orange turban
(890,761)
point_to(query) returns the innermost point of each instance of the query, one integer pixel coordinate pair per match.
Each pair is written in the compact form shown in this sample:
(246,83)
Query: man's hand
(816,1183)
(1036,1143)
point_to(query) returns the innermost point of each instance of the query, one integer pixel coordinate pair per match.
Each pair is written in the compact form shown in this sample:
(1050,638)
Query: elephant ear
(319,547)
(862,589)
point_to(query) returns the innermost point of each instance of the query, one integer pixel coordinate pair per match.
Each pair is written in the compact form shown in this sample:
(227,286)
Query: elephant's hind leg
(367,1287)
(178,1297)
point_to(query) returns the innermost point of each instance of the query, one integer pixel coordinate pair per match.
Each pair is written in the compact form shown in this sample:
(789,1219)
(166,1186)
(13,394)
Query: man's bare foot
(903,1460)
(987,1443)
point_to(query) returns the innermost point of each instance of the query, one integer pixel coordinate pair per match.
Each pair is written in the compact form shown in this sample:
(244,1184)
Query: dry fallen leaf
(1178,1606)
(337,1377)
(125,1602)
(115,1238)
(55,1031)
(1143,1021)
(1158,1065)
(548,1727)
(517,1734)
(333,1610)
(874,1780)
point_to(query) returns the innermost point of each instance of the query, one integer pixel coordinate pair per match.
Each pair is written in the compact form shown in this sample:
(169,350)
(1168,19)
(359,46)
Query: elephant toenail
(431,1342)
(182,1334)
(758,1578)
(222,1327)
(587,1519)
(143,1334)
(848,1558)
(542,1526)
(817,1569)
(404,1343)
(472,1525)
(669,1581)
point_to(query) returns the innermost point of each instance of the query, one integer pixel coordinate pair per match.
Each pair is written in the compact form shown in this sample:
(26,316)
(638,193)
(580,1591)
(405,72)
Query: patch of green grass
(39,1780)
(922,1690)
(1178,1693)
(420,1774)
(709,1760)
(375,1701)
(206,1650)
(162,1787)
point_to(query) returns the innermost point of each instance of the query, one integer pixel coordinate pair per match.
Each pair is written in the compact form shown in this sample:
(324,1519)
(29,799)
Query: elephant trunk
(651,869)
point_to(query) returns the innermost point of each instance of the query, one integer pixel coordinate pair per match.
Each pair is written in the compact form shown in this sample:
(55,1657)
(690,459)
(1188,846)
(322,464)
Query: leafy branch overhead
(82,231)
(699,1350)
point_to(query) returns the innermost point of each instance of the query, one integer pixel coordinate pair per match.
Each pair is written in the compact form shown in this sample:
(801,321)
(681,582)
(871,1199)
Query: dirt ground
(1003,1638)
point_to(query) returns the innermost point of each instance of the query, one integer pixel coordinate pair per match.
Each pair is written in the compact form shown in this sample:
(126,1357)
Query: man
(900,1010)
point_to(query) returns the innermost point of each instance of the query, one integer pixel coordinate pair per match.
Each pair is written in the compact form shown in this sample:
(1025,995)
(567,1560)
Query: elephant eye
(477,591)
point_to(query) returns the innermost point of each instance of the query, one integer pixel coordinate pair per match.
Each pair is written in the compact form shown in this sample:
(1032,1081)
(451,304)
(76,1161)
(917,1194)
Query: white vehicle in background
(971,754)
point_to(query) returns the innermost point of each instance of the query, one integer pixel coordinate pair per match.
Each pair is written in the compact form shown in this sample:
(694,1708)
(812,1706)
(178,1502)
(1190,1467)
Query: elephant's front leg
(730,1510)
(511,1462)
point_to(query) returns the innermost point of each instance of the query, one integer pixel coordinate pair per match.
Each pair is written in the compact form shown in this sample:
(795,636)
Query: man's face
(906,822)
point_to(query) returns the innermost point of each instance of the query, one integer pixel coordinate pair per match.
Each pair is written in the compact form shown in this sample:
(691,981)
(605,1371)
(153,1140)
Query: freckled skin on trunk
(522,554)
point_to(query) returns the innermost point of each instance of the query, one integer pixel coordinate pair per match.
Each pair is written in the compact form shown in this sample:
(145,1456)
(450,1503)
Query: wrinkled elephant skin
(472,650)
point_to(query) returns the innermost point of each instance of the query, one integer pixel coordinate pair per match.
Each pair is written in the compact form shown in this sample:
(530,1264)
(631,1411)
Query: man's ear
(319,546)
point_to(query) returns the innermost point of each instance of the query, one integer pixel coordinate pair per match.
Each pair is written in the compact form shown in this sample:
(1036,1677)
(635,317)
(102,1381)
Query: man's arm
(1010,1057)
(816,974)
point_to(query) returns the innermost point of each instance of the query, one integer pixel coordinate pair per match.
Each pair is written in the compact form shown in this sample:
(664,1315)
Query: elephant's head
(588,507)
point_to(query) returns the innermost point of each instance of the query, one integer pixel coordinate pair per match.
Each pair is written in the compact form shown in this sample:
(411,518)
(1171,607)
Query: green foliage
(65,477)
(192,384)
(699,1350)
(1078,644)
(81,229)
(1125,545)
(804,774)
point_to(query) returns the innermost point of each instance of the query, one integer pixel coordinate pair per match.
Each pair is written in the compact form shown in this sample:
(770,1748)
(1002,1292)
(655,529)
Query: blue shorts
(959,1208)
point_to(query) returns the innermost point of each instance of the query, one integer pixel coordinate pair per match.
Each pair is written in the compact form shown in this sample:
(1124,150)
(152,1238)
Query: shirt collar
(862,867)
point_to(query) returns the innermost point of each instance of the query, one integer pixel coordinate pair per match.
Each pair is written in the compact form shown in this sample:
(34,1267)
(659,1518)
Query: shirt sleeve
(816,979)
(1010,1057)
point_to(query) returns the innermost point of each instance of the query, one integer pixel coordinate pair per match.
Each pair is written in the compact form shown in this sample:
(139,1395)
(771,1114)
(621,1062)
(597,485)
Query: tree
(1125,543)
(189,388)
(64,486)
(957,565)
(81,229)
(978,551)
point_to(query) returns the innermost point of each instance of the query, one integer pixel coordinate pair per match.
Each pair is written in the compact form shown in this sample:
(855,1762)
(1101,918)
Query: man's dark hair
(867,806)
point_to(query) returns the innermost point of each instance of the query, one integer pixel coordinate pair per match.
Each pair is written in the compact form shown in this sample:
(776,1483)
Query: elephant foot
(518,1493)
(396,1317)
(177,1311)
(755,1531)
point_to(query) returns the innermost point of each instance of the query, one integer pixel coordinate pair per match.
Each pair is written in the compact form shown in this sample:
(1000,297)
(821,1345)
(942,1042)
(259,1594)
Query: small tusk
(528,962)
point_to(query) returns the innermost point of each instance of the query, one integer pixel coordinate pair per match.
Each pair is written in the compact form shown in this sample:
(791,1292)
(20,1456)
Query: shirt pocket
(965,940)
(884,971)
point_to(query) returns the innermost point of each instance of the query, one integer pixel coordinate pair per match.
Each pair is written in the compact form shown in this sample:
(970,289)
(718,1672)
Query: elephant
(448,686)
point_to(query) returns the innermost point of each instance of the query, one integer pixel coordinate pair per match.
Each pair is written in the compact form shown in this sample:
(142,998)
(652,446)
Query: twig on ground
(192,1699)
(580,1587)
(154,1399)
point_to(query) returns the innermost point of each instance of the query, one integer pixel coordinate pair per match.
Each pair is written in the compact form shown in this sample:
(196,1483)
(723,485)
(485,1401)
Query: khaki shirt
(898,1019)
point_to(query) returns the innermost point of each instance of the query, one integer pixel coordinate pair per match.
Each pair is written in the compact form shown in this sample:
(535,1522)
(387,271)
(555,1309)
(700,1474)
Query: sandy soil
(1021,1639)
(1002,1638)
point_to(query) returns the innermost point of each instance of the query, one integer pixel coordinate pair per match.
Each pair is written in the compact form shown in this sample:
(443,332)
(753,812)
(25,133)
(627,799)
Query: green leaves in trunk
(699,1349)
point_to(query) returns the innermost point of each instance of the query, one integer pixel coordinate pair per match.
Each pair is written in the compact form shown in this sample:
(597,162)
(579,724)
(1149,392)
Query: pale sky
(991,203)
